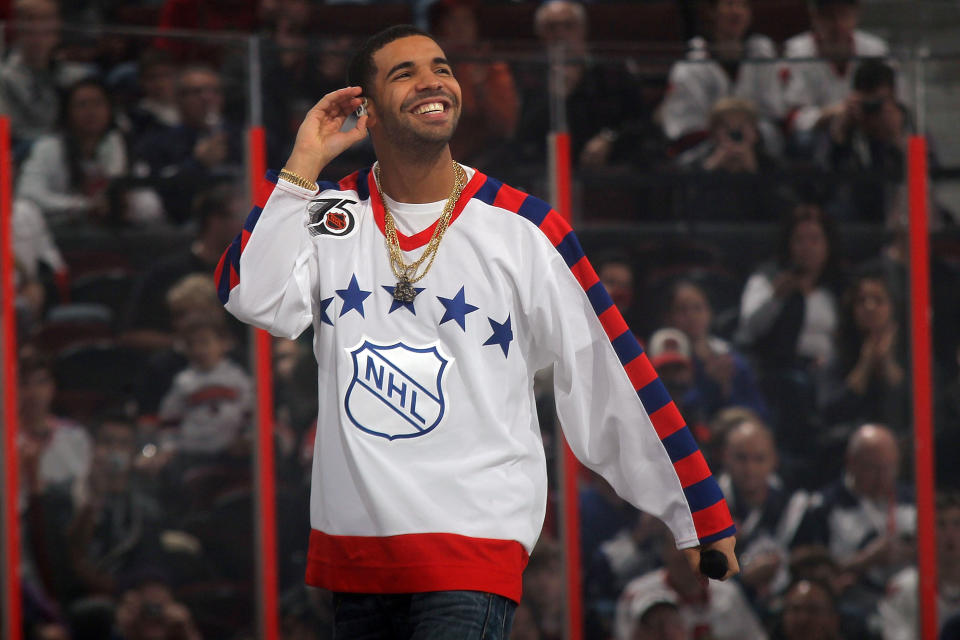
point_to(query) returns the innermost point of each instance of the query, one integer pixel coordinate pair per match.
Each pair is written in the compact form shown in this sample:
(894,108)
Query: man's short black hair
(873,74)
(362,69)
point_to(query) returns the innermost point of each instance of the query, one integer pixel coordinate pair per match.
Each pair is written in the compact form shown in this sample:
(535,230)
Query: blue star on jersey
(323,310)
(502,335)
(353,297)
(396,304)
(456,308)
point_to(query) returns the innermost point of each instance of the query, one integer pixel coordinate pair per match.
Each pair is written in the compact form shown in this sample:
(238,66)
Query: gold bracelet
(298,180)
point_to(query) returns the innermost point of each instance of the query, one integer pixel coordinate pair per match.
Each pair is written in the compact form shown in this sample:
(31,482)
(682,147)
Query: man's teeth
(430,107)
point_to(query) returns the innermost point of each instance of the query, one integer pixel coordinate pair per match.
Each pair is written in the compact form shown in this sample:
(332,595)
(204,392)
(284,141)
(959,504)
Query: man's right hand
(319,139)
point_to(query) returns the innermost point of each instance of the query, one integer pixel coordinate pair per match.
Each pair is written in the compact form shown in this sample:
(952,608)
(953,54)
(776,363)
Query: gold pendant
(404,291)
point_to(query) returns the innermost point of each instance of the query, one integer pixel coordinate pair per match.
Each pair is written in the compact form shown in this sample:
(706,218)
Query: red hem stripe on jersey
(710,513)
(410,243)
(227,274)
(415,563)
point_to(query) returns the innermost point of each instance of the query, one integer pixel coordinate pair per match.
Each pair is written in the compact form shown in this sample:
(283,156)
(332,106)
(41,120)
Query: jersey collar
(410,243)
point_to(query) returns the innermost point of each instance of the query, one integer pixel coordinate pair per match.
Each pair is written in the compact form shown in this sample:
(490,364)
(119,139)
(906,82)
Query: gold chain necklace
(406,274)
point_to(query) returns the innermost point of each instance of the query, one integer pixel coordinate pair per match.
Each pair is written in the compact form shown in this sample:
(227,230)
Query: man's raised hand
(320,139)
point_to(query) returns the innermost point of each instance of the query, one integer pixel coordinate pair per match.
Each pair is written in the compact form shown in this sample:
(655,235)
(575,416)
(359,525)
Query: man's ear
(371,110)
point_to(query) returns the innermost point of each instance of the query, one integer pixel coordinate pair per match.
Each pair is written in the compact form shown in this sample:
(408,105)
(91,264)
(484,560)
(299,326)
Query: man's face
(750,458)
(560,23)
(948,535)
(662,622)
(617,278)
(808,614)
(159,82)
(732,19)
(416,100)
(874,469)
(199,97)
(808,247)
(834,26)
(38,32)
(37,389)
(205,347)
(690,312)
(875,108)
(113,452)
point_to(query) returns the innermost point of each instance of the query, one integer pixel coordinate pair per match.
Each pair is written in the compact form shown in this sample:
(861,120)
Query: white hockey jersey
(428,471)
(813,84)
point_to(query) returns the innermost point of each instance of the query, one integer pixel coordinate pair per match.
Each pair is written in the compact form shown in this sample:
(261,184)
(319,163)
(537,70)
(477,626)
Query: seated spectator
(210,403)
(598,97)
(722,376)
(148,610)
(669,352)
(194,294)
(709,608)
(490,106)
(899,609)
(218,213)
(788,320)
(809,612)
(68,175)
(765,512)
(53,450)
(730,62)
(115,528)
(657,617)
(616,272)
(31,77)
(183,160)
(730,170)
(872,384)
(865,518)
(817,89)
(869,135)
(157,104)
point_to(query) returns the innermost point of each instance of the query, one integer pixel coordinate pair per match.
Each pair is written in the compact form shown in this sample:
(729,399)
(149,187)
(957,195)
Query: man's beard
(421,140)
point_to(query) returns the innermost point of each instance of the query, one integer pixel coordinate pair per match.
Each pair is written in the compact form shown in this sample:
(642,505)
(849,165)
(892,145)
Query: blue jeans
(437,615)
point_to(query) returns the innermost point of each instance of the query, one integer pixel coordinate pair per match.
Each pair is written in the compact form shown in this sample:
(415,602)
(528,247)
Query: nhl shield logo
(396,390)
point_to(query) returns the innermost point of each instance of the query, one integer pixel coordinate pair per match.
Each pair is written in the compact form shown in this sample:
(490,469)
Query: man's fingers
(339,102)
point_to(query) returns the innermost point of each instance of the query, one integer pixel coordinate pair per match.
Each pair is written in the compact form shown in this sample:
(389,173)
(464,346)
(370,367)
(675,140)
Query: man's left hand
(724,546)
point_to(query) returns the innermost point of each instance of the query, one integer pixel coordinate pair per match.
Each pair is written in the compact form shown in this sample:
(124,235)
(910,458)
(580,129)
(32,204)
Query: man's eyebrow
(397,67)
(408,64)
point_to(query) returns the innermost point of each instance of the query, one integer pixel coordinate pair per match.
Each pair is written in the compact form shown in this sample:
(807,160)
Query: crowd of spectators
(788,358)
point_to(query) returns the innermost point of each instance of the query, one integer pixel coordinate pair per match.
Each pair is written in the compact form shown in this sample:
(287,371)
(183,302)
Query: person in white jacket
(435,293)
(821,63)
(733,62)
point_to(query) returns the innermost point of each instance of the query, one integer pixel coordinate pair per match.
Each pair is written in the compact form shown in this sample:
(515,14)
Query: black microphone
(713,564)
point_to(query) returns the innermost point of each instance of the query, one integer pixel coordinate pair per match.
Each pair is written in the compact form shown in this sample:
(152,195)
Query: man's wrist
(295,178)
(306,167)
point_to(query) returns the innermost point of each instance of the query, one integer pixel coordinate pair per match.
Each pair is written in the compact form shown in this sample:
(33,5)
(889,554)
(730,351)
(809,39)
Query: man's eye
(444,71)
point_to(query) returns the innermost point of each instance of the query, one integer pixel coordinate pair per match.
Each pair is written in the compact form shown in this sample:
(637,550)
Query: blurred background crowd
(739,184)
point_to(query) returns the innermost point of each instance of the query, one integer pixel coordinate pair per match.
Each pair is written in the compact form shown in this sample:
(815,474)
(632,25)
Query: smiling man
(435,292)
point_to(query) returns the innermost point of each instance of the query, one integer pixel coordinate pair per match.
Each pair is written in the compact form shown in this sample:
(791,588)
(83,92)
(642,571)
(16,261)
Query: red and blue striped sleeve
(227,274)
(708,507)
